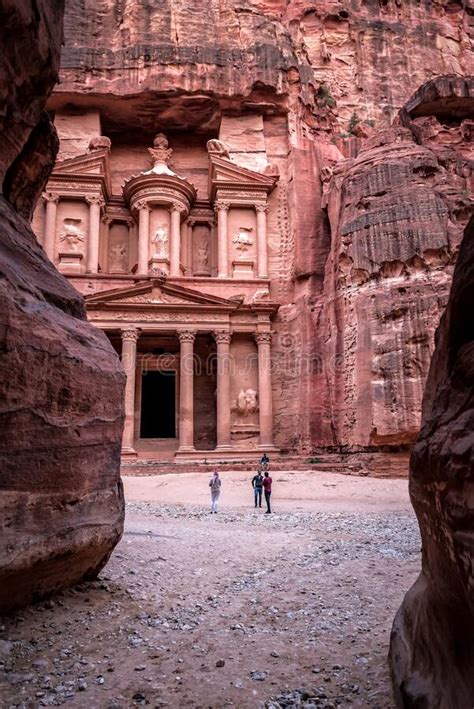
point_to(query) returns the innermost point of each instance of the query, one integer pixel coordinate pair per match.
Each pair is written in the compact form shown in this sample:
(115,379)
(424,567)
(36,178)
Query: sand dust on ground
(238,609)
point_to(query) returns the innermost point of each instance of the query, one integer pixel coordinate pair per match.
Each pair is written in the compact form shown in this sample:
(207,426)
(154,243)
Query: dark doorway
(158,405)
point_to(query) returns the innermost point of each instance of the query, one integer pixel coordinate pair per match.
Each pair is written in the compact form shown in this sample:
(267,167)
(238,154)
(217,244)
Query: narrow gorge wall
(432,642)
(312,88)
(61,384)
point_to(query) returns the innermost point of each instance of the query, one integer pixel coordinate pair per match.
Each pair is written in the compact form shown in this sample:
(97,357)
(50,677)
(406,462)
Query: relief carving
(246,402)
(71,234)
(160,240)
(243,238)
(118,258)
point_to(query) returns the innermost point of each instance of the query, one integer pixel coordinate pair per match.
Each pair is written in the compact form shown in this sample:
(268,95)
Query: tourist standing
(215,485)
(267,486)
(257,484)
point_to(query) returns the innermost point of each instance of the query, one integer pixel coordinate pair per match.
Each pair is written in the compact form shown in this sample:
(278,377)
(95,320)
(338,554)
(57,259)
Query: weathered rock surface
(396,215)
(61,385)
(432,644)
(320,80)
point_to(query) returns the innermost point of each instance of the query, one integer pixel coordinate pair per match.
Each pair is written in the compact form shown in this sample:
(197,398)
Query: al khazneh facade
(178,277)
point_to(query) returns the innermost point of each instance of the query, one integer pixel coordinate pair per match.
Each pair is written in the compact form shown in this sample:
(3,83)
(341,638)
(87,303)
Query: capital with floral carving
(160,152)
(263,338)
(142,204)
(95,199)
(263,208)
(186,336)
(176,207)
(131,334)
(220,206)
(222,336)
(50,197)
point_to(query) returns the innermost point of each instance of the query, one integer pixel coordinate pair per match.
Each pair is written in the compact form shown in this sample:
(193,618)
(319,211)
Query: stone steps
(363,464)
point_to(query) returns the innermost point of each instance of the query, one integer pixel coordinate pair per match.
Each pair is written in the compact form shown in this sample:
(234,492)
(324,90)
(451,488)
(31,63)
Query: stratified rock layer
(61,385)
(396,215)
(314,83)
(432,643)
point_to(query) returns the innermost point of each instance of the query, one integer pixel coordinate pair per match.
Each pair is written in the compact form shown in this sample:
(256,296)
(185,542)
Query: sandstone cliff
(396,215)
(61,385)
(432,644)
(311,84)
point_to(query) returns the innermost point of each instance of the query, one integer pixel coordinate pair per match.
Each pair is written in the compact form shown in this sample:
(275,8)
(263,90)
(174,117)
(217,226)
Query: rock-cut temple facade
(173,263)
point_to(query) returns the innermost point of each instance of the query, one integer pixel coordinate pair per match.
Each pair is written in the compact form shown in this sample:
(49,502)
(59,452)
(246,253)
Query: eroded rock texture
(61,385)
(432,644)
(396,215)
(302,86)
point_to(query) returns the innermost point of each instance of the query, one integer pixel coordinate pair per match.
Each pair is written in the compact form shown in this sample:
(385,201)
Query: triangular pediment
(155,293)
(94,163)
(225,173)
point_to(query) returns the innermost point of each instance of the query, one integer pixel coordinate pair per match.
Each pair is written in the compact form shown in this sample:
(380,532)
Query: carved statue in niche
(160,240)
(202,256)
(72,234)
(243,239)
(246,402)
(118,258)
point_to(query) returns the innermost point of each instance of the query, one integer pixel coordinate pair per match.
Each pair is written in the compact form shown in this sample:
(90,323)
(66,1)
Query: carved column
(186,391)
(222,209)
(92,262)
(262,248)
(143,237)
(189,245)
(129,362)
(263,340)
(50,223)
(175,243)
(222,338)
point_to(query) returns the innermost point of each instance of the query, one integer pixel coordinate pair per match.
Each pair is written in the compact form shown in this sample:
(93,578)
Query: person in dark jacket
(267,486)
(257,484)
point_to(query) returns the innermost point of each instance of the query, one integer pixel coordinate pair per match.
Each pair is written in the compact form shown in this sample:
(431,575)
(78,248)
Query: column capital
(221,206)
(50,197)
(222,336)
(263,208)
(263,337)
(142,204)
(186,335)
(176,207)
(131,333)
(95,199)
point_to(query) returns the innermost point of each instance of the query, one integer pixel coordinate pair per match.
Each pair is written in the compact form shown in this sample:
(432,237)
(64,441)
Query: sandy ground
(238,609)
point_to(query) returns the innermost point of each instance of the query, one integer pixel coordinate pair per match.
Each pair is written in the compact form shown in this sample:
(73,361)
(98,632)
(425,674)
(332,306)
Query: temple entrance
(158,405)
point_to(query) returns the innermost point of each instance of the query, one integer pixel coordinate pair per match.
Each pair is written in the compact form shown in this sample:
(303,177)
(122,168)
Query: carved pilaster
(95,199)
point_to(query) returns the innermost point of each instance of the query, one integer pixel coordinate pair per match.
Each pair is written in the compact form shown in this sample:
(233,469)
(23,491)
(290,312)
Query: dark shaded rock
(432,642)
(61,384)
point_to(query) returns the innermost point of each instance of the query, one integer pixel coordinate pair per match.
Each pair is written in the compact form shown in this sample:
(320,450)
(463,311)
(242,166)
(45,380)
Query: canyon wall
(61,385)
(432,641)
(312,88)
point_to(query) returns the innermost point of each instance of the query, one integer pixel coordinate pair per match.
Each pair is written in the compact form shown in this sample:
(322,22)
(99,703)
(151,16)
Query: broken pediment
(225,174)
(94,164)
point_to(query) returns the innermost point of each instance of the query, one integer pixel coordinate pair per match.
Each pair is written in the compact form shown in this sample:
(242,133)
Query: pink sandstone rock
(61,385)
(432,642)
(301,87)
(396,215)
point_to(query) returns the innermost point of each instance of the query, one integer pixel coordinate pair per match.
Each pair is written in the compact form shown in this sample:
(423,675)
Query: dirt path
(236,609)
